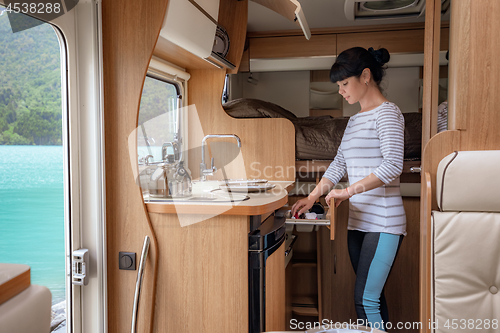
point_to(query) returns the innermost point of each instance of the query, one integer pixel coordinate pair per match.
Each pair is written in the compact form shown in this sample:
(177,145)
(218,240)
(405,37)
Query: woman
(371,152)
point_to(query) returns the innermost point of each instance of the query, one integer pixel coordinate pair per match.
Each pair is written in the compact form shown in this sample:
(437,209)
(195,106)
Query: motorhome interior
(189,128)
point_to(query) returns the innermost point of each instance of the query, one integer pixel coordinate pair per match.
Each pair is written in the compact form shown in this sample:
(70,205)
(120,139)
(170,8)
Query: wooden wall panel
(482,85)
(268,145)
(293,46)
(129,32)
(398,41)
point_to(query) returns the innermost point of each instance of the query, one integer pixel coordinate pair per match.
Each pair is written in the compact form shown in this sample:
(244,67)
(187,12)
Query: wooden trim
(425,252)
(304,167)
(275,291)
(293,46)
(215,209)
(332,216)
(340,30)
(438,147)
(233,17)
(397,41)
(15,285)
(460,42)
(319,260)
(431,70)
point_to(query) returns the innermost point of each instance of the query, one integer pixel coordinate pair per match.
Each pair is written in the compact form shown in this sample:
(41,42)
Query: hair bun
(381,55)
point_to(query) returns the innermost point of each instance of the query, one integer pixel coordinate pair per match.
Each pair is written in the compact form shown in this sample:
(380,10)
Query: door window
(32,219)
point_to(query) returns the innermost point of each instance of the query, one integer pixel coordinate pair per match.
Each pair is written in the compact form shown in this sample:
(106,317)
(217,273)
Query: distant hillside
(30,90)
(30,86)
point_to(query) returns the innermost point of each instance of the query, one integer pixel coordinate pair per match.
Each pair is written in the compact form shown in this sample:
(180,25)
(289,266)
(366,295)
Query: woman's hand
(338,195)
(302,206)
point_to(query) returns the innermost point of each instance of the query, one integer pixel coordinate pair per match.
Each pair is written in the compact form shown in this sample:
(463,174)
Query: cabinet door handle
(334,264)
(416,169)
(138,283)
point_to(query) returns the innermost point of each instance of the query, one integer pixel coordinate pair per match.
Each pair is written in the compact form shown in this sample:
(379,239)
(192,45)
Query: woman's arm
(332,176)
(304,204)
(366,184)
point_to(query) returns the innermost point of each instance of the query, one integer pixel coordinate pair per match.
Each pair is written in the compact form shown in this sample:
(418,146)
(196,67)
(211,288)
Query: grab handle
(138,283)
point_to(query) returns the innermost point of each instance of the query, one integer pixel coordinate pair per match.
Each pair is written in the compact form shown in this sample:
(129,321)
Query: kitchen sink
(201,198)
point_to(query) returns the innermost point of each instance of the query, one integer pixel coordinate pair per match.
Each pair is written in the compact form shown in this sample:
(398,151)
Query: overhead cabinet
(193,26)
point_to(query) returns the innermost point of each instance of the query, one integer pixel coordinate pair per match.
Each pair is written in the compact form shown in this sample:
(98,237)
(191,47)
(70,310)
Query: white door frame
(80,34)
(84,135)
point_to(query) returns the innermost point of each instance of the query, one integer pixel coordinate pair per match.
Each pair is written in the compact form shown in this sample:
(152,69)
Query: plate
(247,188)
(244,181)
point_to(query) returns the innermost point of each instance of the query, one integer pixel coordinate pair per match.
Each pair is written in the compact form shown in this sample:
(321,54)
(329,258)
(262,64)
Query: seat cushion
(466,268)
(27,312)
(469,181)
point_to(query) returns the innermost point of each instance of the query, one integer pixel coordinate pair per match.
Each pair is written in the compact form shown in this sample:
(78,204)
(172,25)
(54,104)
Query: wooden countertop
(259,203)
(14,278)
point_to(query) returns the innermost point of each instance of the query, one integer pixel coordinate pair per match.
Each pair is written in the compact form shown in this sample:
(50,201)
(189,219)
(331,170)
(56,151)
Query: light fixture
(383,6)
(252,80)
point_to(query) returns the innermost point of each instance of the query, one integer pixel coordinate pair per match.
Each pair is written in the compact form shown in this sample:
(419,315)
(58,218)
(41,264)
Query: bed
(317,138)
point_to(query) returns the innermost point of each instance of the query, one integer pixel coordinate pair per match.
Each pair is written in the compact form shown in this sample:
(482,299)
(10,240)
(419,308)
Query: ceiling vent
(384,9)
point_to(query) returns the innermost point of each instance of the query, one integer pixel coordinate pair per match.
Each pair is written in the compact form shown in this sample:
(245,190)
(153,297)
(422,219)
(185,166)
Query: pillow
(413,136)
(255,108)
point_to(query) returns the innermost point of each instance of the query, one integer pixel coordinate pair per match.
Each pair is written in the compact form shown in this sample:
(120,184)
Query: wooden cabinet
(337,276)
(275,290)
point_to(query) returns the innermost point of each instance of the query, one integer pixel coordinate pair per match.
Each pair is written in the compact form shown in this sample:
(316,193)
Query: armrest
(14,278)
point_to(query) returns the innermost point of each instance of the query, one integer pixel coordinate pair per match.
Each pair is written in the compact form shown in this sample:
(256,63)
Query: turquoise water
(32,213)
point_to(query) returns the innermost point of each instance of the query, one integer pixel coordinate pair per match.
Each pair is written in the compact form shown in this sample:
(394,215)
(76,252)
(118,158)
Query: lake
(32,213)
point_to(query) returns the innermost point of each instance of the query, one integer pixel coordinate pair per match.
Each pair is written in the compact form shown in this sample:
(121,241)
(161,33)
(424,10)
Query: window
(159,123)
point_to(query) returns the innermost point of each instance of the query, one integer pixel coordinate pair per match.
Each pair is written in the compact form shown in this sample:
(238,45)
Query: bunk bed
(317,138)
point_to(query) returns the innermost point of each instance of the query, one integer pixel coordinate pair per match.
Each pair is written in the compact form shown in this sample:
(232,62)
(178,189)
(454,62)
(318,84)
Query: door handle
(138,283)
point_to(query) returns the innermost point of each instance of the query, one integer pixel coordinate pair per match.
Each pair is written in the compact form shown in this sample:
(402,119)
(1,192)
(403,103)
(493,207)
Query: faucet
(175,146)
(204,172)
(145,159)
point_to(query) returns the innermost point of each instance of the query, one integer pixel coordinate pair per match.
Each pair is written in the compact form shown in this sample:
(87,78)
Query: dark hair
(353,61)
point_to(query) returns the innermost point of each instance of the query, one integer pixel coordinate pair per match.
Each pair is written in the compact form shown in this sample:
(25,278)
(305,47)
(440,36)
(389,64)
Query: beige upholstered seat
(24,308)
(466,243)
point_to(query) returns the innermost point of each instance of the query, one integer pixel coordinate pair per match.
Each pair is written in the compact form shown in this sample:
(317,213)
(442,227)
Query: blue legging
(372,255)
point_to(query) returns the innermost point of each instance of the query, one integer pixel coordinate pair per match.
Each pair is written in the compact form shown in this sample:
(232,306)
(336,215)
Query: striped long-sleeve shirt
(373,142)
